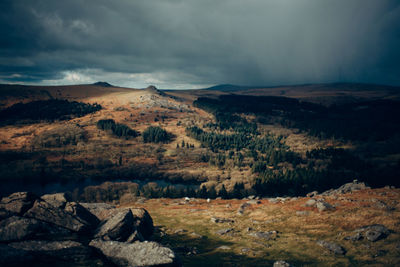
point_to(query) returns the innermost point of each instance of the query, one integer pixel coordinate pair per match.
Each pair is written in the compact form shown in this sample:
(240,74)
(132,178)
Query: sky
(183,44)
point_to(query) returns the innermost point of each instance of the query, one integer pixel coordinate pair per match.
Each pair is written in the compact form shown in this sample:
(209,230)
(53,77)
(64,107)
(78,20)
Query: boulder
(18,228)
(143,222)
(100,210)
(82,213)
(373,232)
(265,235)
(57,200)
(70,251)
(18,203)
(221,220)
(44,211)
(312,194)
(242,208)
(224,231)
(118,228)
(324,206)
(136,254)
(332,247)
(310,203)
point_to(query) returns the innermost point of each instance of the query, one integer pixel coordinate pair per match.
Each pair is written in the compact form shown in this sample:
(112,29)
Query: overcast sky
(198,43)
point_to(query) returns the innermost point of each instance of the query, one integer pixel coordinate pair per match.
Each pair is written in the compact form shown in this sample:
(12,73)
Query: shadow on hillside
(205,251)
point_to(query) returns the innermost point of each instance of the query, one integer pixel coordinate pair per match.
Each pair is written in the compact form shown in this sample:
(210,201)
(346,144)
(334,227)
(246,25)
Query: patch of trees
(117,129)
(370,120)
(121,191)
(155,134)
(45,110)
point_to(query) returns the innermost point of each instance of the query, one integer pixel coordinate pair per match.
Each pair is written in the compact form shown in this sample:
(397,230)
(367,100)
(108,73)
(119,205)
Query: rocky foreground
(52,231)
(353,225)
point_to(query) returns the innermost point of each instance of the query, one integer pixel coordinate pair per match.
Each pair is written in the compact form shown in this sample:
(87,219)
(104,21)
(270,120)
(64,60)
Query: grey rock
(265,235)
(54,250)
(98,209)
(324,206)
(196,235)
(224,248)
(180,231)
(373,232)
(332,247)
(18,203)
(18,228)
(82,213)
(282,264)
(142,219)
(221,220)
(135,254)
(355,237)
(347,188)
(245,250)
(312,194)
(251,197)
(57,200)
(242,208)
(44,211)
(273,200)
(135,236)
(382,205)
(224,231)
(310,203)
(143,222)
(118,228)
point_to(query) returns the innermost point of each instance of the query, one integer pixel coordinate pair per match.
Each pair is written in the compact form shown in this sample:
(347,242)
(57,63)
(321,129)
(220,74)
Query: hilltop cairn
(51,229)
(154,90)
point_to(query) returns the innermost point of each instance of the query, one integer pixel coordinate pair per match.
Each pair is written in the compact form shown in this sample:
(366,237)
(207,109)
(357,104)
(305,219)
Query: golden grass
(297,234)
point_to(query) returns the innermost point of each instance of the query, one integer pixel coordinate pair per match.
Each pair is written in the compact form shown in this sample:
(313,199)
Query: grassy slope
(296,241)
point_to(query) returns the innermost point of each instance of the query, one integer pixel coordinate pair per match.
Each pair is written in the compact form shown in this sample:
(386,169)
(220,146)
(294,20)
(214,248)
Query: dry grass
(297,234)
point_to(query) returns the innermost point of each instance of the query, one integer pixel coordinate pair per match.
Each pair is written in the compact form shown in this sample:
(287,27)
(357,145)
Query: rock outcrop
(372,233)
(18,203)
(51,229)
(118,228)
(136,254)
(332,247)
(346,188)
(19,228)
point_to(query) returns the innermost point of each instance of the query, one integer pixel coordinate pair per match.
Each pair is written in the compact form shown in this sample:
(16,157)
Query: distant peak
(103,84)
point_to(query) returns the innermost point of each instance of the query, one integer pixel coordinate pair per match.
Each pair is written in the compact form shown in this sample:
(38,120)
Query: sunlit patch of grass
(297,234)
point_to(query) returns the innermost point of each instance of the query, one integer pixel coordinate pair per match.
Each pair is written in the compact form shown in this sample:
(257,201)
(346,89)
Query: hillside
(254,153)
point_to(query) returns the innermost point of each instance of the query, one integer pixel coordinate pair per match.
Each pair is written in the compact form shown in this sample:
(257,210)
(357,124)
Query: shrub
(155,134)
(117,129)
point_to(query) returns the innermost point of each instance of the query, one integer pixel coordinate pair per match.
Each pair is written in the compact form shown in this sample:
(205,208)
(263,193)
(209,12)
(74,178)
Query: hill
(255,153)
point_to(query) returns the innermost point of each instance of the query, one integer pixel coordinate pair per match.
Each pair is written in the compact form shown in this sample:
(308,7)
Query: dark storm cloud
(254,42)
